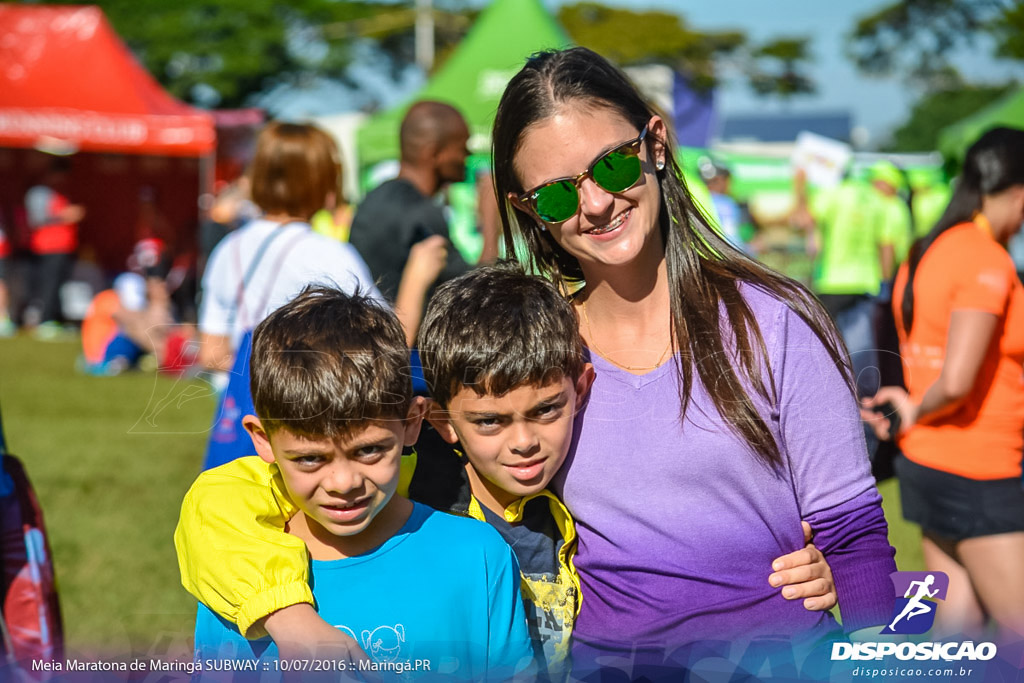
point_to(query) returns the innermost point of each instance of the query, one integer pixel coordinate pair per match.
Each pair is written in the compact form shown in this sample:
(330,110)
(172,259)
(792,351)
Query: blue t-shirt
(440,598)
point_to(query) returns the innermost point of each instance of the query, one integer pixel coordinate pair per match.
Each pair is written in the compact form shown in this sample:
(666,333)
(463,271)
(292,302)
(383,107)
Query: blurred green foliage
(224,52)
(916,39)
(936,110)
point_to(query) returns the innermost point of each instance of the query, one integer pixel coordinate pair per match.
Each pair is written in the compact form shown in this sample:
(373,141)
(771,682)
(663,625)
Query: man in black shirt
(401,212)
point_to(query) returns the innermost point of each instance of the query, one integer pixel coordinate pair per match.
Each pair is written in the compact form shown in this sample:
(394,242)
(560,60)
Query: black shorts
(3,267)
(955,507)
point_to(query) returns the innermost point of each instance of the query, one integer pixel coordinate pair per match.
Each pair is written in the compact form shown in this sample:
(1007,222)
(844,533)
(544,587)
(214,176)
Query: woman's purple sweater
(679,523)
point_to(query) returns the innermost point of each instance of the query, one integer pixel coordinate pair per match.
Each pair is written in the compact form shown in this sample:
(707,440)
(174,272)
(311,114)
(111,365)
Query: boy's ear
(260,440)
(583,384)
(438,419)
(414,420)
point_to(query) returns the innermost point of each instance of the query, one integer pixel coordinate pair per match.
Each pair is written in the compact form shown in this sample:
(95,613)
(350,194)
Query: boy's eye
(548,412)
(490,423)
(308,460)
(370,451)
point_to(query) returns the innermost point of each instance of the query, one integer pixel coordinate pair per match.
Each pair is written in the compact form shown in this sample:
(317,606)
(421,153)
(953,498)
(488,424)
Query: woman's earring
(660,165)
(543,228)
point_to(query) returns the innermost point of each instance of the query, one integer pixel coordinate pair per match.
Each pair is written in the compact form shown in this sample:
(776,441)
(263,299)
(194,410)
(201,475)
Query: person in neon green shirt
(850,242)
(894,221)
(864,233)
(928,202)
(334,224)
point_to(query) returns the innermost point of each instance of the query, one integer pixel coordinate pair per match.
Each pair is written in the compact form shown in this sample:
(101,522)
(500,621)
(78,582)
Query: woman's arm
(216,311)
(823,443)
(969,337)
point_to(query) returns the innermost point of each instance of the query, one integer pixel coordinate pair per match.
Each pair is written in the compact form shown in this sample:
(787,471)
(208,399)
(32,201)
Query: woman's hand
(888,398)
(427,259)
(805,574)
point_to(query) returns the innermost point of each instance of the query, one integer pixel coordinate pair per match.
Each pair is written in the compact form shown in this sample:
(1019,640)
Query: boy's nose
(343,478)
(523,440)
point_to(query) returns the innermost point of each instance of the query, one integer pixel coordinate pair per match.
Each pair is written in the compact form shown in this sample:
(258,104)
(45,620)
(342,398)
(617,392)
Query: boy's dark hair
(497,328)
(326,361)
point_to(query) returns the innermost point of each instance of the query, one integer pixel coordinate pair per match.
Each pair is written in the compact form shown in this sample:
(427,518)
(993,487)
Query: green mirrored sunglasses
(615,171)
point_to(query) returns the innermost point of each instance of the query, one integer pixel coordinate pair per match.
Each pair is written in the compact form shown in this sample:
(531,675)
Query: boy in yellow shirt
(335,409)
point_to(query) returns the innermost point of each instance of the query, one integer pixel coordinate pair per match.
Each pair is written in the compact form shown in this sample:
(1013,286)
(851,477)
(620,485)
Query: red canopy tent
(68,84)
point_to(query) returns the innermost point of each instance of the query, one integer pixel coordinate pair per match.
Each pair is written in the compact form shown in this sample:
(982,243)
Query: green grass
(111,458)
(903,536)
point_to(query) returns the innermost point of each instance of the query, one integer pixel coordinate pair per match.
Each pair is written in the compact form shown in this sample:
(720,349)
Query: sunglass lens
(617,171)
(557,202)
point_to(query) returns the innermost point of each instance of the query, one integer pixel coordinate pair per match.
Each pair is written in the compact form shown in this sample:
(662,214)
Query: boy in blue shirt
(422,592)
(507,372)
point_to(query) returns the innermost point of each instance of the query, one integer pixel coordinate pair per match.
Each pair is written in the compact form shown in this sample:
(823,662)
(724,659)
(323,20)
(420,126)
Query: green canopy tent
(475,75)
(1006,111)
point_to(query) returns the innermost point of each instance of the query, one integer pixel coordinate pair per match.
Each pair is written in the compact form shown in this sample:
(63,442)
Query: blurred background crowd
(124,138)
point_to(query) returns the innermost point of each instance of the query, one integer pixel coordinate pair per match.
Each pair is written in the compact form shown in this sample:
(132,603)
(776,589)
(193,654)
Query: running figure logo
(916,593)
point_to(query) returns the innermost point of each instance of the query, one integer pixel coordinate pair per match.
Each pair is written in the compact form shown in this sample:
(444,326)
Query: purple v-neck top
(679,523)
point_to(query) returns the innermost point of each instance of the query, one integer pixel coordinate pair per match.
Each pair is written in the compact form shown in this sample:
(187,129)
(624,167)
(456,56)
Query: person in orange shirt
(959,309)
(53,221)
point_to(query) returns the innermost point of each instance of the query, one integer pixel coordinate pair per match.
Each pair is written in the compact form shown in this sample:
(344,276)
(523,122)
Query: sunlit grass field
(111,458)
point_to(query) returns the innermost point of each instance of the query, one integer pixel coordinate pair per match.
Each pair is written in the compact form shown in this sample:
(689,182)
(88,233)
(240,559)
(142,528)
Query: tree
(224,52)
(915,38)
(775,68)
(786,57)
(667,39)
(221,52)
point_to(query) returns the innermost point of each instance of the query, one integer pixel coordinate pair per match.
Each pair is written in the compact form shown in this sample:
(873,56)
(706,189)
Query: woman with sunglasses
(722,413)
